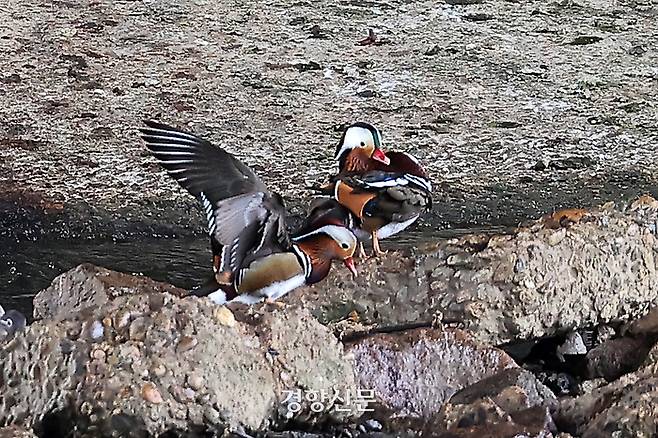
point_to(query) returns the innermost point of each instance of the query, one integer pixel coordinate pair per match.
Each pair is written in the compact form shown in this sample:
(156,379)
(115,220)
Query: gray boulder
(148,363)
(88,286)
(574,268)
(413,373)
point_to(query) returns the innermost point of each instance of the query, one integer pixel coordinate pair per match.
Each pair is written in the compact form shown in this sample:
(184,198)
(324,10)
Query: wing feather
(245,220)
(198,165)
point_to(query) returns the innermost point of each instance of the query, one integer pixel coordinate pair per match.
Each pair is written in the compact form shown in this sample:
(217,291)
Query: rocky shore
(462,338)
(516,109)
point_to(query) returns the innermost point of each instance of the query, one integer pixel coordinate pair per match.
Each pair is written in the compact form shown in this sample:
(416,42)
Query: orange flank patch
(224,277)
(355,202)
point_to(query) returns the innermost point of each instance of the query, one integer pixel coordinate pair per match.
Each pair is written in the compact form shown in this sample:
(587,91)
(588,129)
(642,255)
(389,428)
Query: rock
(509,403)
(89,286)
(224,316)
(513,390)
(414,373)
(647,325)
(307,357)
(634,414)
(624,408)
(484,418)
(616,357)
(573,345)
(151,394)
(15,432)
(511,287)
(187,371)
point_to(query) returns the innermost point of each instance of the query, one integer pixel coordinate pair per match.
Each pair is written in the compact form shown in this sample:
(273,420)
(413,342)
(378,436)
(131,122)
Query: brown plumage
(387,192)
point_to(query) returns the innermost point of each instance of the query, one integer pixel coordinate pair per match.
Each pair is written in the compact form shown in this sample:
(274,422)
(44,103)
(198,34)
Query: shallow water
(28,267)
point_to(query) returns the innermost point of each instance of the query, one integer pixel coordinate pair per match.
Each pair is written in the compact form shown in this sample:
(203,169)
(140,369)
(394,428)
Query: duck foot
(377,251)
(361,251)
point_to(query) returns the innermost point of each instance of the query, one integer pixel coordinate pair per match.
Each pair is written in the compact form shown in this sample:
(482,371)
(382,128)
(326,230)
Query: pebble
(151,394)
(186,343)
(96,331)
(98,354)
(195,381)
(137,330)
(557,237)
(211,415)
(224,316)
(122,319)
(158,370)
(182,395)
(373,425)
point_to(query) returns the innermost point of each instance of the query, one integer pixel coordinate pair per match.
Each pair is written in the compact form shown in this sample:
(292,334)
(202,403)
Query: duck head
(11,322)
(323,245)
(360,143)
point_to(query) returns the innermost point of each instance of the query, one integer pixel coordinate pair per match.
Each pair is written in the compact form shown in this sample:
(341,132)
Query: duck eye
(9,322)
(344,245)
(363,144)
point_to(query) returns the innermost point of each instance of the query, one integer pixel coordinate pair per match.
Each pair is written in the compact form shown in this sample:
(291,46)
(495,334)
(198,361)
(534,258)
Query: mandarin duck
(386,191)
(11,322)
(254,257)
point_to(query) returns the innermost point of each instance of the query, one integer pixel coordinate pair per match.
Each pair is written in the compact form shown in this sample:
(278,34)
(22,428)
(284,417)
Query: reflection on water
(28,267)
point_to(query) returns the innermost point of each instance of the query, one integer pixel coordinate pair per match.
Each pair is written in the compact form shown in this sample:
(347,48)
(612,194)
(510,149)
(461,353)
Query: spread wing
(246,227)
(245,220)
(198,165)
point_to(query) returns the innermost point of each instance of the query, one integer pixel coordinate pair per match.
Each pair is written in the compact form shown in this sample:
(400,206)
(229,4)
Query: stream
(28,267)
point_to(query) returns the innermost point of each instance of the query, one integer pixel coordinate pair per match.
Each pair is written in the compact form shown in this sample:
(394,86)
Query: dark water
(28,267)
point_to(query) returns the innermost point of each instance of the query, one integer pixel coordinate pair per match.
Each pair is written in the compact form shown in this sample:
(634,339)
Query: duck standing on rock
(254,257)
(386,191)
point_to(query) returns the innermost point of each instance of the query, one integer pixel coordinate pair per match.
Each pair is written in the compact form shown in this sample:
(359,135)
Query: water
(28,267)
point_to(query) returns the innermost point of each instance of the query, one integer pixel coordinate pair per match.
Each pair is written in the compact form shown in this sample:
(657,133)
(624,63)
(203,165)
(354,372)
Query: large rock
(89,286)
(616,357)
(513,389)
(152,362)
(483,418)
(509,403)
(413,373)
(15,432)
(595,267)
(625,408)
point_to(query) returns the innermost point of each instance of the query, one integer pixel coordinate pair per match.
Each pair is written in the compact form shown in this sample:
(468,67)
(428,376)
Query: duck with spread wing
(254,256)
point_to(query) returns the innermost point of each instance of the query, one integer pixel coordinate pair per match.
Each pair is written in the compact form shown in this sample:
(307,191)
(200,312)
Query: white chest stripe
(305,259)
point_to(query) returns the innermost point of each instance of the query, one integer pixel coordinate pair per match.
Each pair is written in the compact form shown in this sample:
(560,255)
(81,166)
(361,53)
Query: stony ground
(514,107)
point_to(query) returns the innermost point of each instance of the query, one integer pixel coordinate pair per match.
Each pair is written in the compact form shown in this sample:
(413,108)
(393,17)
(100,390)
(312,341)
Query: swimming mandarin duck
(254,257)
(386,191)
